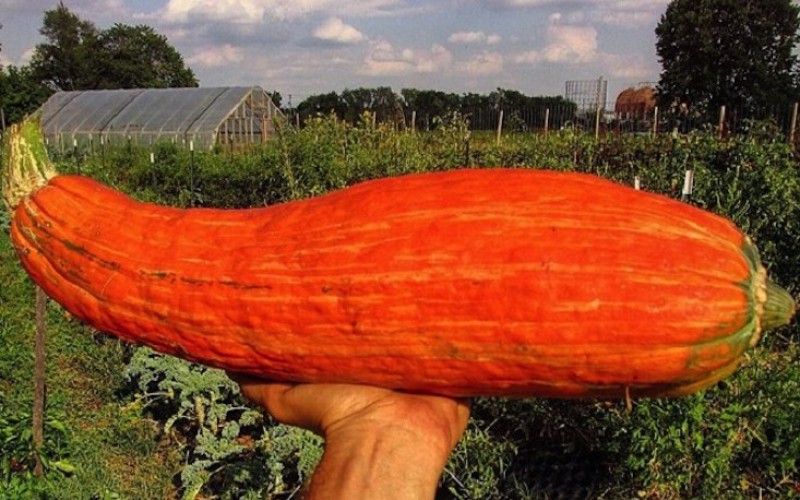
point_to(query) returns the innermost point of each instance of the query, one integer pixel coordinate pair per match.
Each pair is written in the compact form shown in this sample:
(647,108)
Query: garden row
(739,439)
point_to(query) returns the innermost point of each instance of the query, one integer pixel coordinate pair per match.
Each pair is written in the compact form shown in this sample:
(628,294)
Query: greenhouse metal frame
(191,117)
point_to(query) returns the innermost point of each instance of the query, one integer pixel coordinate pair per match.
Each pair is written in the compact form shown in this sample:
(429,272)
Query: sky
(306,47)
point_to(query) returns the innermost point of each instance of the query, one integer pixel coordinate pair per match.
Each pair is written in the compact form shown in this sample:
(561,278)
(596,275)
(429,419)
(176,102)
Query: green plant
(229,450)
(20,454)
(713,443)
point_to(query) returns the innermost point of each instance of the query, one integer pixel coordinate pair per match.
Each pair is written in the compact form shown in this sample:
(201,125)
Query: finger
(280,401)
(290,404)
(270,395)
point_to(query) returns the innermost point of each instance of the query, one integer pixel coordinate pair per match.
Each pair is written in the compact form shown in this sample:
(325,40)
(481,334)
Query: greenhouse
(192,117)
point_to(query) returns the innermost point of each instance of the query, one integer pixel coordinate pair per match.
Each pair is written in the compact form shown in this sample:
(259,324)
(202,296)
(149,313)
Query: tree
(429,104)
(64,57)
(380,100)
(321,104)
(137,57)
(77,56)
(355,102)
(386,104)
(277,98)
(21,92)
(737,53)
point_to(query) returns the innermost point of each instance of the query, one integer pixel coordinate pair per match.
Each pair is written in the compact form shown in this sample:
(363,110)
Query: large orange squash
(470,282)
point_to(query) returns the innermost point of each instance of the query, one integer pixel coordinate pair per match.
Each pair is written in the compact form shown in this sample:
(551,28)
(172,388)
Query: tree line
(422,109)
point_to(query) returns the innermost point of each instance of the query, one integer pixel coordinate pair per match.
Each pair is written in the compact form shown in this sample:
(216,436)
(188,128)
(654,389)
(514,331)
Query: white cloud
(626,18)
(27,56)
(335,30)
(624,13)
(369,8)
(24,59)
(215,57)
(485,63)
(566,43)
(630,67)
(238,11)
(383,59)
(468,37)
(493,39)
(570,44)
(255,11)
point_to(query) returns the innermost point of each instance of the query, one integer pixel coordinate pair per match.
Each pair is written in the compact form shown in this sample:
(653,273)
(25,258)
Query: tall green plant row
(738,440)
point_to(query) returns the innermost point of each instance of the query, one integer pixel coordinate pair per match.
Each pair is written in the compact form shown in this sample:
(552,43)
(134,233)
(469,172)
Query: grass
(116,452)
(112,452)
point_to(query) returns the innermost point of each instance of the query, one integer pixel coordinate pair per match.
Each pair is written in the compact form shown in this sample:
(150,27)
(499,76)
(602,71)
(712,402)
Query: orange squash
(470,282)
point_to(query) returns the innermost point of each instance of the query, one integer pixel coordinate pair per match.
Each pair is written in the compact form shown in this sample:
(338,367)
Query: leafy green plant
(229,450)
(739,441)
(20,453)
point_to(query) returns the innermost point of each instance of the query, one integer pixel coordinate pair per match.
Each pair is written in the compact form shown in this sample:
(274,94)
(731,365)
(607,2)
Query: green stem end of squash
(778,308)
(772,305)
(26,166)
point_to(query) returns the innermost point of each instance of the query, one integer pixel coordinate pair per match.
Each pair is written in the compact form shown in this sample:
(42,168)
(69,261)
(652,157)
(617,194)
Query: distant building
(589,95)
(635,103)
(200,117)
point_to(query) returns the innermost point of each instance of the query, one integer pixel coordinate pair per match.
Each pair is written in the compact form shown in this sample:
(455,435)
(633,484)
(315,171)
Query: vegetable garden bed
(736,440)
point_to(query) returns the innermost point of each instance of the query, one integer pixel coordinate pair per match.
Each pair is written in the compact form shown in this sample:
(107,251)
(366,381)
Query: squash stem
(26,166)
(779,307)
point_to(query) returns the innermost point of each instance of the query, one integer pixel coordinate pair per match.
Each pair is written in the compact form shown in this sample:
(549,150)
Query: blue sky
(305,47)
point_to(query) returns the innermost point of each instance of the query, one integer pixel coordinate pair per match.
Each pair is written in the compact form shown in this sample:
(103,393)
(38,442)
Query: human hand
(379,443)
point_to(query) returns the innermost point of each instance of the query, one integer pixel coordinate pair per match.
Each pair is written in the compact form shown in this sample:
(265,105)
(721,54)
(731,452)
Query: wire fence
(725,121)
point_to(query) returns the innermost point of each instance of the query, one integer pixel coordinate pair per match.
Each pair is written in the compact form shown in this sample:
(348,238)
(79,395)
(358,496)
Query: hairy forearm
(379,444)
(396,463)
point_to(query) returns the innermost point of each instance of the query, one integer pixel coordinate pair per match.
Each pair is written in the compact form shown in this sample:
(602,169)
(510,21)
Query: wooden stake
(500,127)
(628,400)
(546,122)
(721,131)
(597,122)
(39,373)
(793,127)
(688,185)
(655,121)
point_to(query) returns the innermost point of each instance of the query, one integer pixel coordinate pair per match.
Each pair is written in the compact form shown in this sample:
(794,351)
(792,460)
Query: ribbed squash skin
(470,282)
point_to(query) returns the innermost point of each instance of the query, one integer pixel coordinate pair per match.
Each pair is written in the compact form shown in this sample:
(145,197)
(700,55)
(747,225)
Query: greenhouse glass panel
(88,111)
(197,116)
(226,101)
